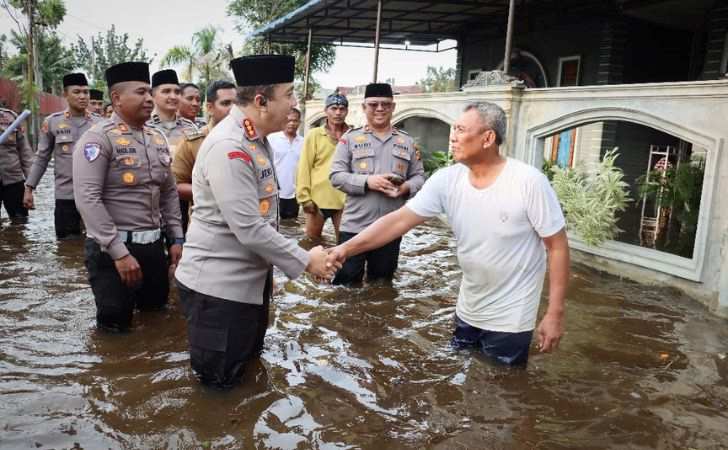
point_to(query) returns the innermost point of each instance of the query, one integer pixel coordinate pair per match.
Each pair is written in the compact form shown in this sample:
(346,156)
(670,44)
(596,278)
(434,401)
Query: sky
(165,23)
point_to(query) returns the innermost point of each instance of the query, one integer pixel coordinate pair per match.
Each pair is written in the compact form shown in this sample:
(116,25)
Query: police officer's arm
(341,176)
(88,187)
(182,164)
(233,182)
(25,153)
(415,173)
(169,207)
(303,173)
(46,143)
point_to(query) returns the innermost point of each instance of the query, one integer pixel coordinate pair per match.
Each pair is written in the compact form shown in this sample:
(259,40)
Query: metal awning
(416,22)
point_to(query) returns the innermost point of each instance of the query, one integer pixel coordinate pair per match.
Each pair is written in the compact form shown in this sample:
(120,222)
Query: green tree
(438,79)
(205,60)
(253,14)
(103,51)
(54,60)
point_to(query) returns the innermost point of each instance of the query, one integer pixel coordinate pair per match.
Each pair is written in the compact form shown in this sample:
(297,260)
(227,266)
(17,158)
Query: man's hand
(175,253)
(310,207)
(336,256)
(399,191)
(129,271)
(28,198)
(549,332)
(317,264)
(380,183)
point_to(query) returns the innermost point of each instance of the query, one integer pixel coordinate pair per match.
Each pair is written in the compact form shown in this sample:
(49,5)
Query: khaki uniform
(232,239)
(58,135)
(173,130)
(186,153)
(359,154)
(16,156)
(123,182)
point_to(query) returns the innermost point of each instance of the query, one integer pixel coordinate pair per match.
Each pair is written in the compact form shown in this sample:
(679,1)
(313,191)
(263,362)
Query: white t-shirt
(498,231)
(285,158)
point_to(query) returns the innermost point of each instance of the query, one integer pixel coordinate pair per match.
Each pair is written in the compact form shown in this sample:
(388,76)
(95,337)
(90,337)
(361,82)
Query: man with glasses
(378,167)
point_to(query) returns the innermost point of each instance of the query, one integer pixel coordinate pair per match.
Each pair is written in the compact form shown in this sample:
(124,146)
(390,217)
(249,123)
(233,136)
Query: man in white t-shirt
(505,217)
(287,150)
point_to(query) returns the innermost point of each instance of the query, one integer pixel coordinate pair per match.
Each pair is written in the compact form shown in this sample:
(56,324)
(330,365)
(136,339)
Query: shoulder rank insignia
(67,115)
(191,134)
(249,129)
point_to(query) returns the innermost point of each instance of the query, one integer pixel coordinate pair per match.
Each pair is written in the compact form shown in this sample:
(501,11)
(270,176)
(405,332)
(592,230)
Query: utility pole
(32,71)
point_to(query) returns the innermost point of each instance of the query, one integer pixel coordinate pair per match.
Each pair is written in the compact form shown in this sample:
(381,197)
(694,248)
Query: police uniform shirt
(186,152)
(123,182)
(360,154)
(174,130)
(232,239)
(58,135)
(16,156)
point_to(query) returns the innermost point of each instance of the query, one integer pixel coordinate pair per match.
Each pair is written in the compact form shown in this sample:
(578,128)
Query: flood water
(368,368)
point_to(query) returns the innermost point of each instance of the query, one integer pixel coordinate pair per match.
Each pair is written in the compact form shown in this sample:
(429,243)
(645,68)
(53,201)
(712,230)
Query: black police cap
(378,90)
(167,76)
(74,79)
(258,70)
(95,94)
(127,71)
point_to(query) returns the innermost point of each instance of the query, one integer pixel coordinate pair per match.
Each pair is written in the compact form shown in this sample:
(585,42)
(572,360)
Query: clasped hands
(324,263)
(389,184)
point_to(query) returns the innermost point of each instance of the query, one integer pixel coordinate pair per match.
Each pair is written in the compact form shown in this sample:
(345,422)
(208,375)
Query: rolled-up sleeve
(233,183)
(342,176)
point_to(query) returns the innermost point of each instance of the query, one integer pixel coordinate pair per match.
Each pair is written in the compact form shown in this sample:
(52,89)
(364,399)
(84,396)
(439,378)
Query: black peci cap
(167,76)
(127,71)
(378,90)
(74,79)
(95,94)
(258,70)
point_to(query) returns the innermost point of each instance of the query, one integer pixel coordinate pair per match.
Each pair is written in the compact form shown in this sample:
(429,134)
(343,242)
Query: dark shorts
(67,219)
(115,303)
(288,208)
(223,335)
(328,213)
(11,197)
(380,263)
(510,349)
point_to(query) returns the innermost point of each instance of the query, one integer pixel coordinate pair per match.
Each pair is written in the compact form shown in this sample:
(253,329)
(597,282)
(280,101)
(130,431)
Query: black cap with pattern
(74,79)
(260,70)
(378,90)
(167,76)
(127,71)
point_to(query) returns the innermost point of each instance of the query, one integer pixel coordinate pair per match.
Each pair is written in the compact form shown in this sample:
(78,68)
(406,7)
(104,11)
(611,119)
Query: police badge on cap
(260,70)
(74,79)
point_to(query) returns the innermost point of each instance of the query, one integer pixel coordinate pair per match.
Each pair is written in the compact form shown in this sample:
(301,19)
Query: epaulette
(192,135)
(399,130)
(352,129)
(187,122)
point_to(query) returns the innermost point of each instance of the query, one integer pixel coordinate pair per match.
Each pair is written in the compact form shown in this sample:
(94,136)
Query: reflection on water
(368,368)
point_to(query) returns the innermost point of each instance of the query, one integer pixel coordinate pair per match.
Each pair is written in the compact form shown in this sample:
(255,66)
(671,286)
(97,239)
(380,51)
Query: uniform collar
(67,114)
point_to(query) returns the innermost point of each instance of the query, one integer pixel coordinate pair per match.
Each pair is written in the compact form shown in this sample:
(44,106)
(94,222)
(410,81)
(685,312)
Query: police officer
(16,158)
(220,99)
(190,103)
(166,94)
(125,190)
(96,102)
(378,167)
(225,276)
(58,136)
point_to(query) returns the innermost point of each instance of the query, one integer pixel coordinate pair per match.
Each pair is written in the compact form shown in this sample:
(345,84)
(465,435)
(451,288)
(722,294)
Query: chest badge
(249,129)
(128,177)
(363,165)
(261,160)
(123,141)
(264,206)
(360,139)
(63,126)
(269,188)
(128,161)
(65,148)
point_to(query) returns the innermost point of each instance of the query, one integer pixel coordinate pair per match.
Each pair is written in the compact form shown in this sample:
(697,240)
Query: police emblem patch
(362,165)
(128,161)
(128,178)
(91,151)
(65,148)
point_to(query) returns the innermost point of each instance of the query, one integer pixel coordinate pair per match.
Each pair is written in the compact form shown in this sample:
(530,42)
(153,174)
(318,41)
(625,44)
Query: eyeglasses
(376,105)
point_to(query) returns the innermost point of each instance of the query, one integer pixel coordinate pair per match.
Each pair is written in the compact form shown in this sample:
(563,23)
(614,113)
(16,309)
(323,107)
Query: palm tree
(206,57)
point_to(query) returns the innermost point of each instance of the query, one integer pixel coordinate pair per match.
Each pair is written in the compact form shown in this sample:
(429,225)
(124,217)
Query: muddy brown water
(367,368)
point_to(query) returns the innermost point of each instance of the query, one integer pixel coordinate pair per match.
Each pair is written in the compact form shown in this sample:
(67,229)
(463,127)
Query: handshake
(324,263)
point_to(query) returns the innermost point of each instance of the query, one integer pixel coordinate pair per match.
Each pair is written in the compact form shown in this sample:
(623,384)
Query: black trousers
(380,263)
(288,208)
(510,349)
(67,219)
(11,197)
(184,207)
(115,302)
(223,335)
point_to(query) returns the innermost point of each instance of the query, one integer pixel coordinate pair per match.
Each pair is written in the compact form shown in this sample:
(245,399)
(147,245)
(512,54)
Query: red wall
(11,96)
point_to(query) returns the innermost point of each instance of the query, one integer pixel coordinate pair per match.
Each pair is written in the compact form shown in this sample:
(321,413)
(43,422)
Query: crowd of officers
(144,177)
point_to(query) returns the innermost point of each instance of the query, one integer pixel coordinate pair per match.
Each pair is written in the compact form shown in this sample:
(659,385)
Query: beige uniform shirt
(184,157)
(58,136)
(232,239)
(123,182)
(174,130)
(16,156)
(359,154)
